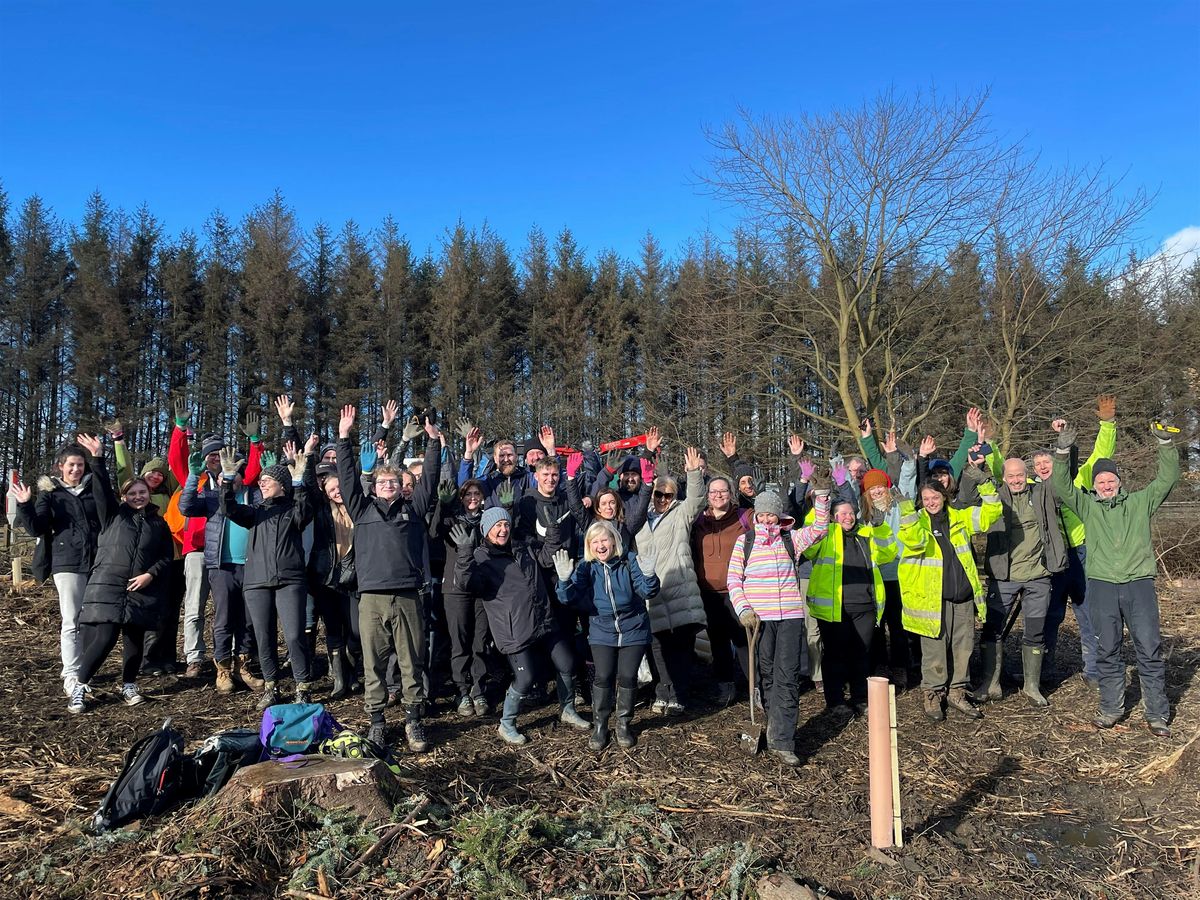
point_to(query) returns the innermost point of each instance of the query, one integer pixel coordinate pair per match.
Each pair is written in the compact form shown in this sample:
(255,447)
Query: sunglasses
(662,495)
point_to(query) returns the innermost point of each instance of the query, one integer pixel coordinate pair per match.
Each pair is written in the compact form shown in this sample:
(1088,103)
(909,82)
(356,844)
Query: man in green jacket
(1120,568)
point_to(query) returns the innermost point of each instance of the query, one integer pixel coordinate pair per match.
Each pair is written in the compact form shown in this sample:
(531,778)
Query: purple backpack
(290,729)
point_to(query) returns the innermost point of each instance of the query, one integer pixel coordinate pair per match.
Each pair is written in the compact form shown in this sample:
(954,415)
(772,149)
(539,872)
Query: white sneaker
(659,707)
(69,684)
(130,695)
(78,701)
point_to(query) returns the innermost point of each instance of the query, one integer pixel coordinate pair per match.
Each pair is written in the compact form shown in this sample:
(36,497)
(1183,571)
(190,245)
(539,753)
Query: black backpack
(149,782)
(748,547)
(213,763)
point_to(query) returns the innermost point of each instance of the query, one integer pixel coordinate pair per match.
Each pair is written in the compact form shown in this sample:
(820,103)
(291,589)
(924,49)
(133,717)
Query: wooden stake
(16,569)
(897,824)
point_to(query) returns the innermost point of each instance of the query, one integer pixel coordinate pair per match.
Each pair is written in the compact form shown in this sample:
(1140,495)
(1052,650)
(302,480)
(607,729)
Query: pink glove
(647,470)
(574,461)
(840,473)
(807,467)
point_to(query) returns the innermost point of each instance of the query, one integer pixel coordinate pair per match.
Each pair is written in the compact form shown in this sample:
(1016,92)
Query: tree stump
(365,786)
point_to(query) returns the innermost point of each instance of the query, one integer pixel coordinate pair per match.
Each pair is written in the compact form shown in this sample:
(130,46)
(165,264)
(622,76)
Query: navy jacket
(613,595)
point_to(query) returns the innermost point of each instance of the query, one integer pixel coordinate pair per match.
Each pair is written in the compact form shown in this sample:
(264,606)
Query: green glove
(269,459)
(182,414)
(504,495)
(195,462)
(446,492)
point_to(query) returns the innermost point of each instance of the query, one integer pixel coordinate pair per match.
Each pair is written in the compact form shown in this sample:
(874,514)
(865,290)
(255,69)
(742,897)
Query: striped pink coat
(767,582)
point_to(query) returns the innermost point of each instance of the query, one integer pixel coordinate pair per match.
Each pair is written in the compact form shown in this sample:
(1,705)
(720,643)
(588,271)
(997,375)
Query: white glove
(563,565)
(646,562)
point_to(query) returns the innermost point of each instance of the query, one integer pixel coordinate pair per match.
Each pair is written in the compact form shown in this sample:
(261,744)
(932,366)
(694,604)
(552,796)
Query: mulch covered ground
(1023,804)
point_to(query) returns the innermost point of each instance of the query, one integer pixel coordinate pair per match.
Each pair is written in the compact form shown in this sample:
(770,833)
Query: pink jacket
(767,582)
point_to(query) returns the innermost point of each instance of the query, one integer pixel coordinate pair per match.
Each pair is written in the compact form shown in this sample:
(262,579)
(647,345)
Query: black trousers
(466,620)
(333,607)
(847,655)
(779,645)
(673,652)
(622,662)
(270,607)
(97,640)
(892,644)
(726,637)
(526,663)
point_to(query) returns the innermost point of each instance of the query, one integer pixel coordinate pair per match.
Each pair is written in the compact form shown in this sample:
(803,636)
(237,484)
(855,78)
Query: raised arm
(235,512)
(102,489)
(352,491)
(1168,469)
(177,452)
(970,437)
(425,493)
(696,498)
(870,447)
(1106,438)
(808,535)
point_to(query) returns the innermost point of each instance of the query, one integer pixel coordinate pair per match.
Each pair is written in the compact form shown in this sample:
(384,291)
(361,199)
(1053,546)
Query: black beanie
(211,443)
(280,473)
(1104,465)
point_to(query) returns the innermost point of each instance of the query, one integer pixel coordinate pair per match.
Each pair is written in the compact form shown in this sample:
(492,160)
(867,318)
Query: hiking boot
(481,706)
(337,671)
(989,678)
(224,682)
(626,699)
(304,692)
(1091,682)
(957,700)
(659,707)
(78,701)
(465,707)
(508,718)
(1158,728)
(1106,720)
(787,757)
(726,691)
(933,707)
(1032,657)
(566,704)
(130,695)
(194,670)
(414,733)
(241,672)
(377,733)
(270,696)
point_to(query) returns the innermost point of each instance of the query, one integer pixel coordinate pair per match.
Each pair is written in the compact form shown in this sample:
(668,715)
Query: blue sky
(584,115)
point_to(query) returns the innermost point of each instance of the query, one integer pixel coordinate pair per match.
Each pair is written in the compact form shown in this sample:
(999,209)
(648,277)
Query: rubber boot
(241,672)
(224,683)
(508,718)
(270,696)
(566,703)
(337,670)
(602,707)
(1031,663)
(626,698)
(989,681)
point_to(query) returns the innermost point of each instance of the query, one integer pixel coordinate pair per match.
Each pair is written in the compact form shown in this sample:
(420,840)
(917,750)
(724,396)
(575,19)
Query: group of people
(562,562)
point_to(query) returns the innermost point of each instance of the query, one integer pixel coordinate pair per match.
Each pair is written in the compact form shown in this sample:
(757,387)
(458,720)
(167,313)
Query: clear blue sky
(586,115)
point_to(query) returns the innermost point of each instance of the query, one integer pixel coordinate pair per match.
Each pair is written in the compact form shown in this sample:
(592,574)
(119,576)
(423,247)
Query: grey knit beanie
(491,516)
(768,502)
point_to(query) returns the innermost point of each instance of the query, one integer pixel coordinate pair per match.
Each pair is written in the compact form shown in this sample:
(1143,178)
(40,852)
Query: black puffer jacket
(67,523)
(275,551)
(450,585)
(509,581)
(132,542)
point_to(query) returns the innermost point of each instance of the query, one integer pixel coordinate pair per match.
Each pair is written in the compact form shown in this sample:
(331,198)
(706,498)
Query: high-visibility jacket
(825,582)
(921,560)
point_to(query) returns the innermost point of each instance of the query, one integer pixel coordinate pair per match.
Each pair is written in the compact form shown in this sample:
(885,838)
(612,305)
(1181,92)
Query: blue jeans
(1114,607)
(1071,584)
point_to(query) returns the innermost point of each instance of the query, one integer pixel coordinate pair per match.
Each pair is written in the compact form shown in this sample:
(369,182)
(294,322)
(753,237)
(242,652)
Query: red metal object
(628,443)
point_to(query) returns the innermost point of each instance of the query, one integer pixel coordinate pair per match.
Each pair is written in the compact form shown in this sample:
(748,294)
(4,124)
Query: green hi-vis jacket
(1118,530)
(825,582)
(921,560)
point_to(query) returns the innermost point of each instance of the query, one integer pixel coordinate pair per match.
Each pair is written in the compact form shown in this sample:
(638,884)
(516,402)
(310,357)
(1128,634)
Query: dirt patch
(1024,803)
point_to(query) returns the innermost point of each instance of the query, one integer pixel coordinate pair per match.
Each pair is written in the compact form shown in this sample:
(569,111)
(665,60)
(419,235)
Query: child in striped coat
(763,586)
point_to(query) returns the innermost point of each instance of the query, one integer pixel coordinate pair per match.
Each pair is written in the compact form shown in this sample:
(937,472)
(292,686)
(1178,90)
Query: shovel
(755,741)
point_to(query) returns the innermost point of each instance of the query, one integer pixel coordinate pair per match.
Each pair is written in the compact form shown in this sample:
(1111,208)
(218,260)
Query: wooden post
(18,580)
(897,824)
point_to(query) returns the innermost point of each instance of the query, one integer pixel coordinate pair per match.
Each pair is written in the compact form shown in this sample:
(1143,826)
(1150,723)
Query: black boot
(337,669)
(626,698)
(602,707)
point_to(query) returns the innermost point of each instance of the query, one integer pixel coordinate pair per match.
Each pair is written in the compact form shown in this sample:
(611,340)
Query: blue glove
(367,458)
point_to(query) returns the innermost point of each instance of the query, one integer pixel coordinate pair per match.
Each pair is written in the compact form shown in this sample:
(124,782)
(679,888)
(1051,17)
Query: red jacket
(191,538)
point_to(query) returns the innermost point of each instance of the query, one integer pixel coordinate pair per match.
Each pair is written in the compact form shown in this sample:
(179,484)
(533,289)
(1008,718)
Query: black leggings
(332,607)
(270,607)
(525,663)
(623,660)
(98,639)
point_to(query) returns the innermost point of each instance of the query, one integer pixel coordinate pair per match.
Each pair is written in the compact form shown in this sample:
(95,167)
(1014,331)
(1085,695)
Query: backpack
(214,762)
(293,728)
(149,782)
(348,745)
(748,547)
